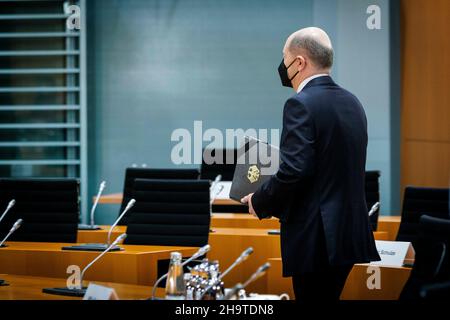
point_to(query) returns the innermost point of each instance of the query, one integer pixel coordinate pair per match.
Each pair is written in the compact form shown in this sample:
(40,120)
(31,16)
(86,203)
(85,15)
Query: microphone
(200,252)
(16,226)
(9,207)
(214,184)
(115,242)
(79,290)
(92,225)
(103,246)
(258,273)
(216,181)
(374,208)
(244,255)
(130,205)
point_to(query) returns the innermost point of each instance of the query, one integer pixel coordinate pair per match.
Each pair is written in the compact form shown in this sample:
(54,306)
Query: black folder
(257,161)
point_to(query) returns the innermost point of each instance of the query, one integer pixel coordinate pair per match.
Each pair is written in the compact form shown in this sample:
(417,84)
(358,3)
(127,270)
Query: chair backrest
(372,189)
(49,209)
(432,261)
(417,202)
(209,171)
(144,173)
(170,212)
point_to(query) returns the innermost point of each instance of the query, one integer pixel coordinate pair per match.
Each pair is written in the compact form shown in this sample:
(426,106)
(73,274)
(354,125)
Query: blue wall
(363,65)
(155,66)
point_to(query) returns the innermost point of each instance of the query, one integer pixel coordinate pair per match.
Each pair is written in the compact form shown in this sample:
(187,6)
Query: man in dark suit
(318,192)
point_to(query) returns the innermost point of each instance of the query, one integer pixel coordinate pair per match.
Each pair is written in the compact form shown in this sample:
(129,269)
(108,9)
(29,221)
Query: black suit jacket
(318,191)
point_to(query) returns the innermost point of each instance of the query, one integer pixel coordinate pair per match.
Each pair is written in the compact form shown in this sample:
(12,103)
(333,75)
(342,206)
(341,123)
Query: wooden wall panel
(425,115)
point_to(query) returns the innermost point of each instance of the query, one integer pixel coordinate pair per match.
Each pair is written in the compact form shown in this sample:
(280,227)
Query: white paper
(394,253)
(97,292)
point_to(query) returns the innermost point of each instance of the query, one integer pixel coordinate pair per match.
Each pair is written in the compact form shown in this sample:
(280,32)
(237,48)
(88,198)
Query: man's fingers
(244,199)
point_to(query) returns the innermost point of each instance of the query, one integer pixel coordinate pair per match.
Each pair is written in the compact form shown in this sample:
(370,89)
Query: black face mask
(283,72)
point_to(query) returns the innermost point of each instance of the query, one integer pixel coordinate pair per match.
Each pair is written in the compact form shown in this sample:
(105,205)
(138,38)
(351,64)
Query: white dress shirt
(307,80)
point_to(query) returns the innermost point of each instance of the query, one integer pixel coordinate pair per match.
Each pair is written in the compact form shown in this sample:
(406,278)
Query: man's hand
(248,199)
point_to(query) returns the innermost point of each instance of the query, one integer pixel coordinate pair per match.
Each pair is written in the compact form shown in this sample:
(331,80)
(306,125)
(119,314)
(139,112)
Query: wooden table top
(129,249)
(245,220)
(30,288)
(135,265)
(254,232)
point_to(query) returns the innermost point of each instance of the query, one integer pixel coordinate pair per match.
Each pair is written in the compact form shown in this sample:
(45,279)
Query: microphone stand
(79,290)
(214,194)
(244,255)
(92,226)
(238,287)
(13,229)
(374,208)
(16,226)
(102,246)
(10,205)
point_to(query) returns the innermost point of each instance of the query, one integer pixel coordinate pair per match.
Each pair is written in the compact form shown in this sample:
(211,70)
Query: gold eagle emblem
(253,174)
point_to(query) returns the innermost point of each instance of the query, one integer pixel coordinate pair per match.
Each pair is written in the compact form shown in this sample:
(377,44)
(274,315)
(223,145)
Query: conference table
(387,227)
(226,245)
(389,224)
(135,265)
(392,281)
(30,288)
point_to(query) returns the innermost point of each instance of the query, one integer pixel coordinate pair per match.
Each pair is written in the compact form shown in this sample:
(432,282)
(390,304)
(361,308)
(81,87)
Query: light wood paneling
(425,93)
(392,281)
(30,288)
(134,265)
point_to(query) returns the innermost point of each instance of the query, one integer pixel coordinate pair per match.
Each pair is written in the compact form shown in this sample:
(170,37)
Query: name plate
(97,292)
(394,253)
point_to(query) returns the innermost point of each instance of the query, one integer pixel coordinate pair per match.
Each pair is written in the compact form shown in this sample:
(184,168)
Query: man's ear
(302,63)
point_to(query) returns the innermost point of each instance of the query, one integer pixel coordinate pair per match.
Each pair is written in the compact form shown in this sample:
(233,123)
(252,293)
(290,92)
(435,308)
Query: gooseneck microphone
(202,251)
(79,290)
(103,246)
(16,226)
(215,185)
(374,208)
(9,207)
(244,255)
(258,273)
(216,182)
(127,208)
(92,225)
(97,198)
(115,242)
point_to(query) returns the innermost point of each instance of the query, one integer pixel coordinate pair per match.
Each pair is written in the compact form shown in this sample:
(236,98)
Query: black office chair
(372,189)
(170,213)
(416,202)
(438,291)
(144,173)
(49,209)
(209,171)
(432,262)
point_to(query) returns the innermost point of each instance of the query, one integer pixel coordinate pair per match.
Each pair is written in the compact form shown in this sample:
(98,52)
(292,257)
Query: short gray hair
(321,55)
